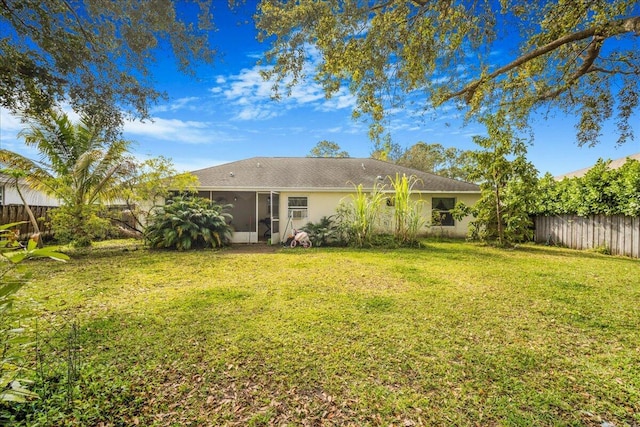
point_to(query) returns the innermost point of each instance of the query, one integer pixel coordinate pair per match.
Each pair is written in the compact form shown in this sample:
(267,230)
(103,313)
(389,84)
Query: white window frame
(445,211)
(299,209)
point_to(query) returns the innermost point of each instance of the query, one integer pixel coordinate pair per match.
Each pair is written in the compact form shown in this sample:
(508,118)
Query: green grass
(451,334)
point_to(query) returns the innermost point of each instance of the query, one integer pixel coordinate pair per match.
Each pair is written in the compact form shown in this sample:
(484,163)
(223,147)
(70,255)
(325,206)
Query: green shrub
(80,225)
(324,232)
(189,223)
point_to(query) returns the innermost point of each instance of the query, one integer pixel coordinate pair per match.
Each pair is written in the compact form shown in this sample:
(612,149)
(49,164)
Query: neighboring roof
(6,179)
(317,173)
(615,164)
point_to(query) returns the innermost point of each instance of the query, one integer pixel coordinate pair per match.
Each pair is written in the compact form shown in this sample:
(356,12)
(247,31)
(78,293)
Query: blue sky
(226,114)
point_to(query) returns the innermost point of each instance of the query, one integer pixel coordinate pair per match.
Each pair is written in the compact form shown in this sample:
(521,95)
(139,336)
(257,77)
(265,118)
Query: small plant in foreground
(12,278)
(323,232)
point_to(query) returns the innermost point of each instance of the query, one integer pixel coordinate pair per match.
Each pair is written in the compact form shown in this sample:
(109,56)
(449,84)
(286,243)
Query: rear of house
(273,195)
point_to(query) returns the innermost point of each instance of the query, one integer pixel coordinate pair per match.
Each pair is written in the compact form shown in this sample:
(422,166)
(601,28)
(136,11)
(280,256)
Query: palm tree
(78,165)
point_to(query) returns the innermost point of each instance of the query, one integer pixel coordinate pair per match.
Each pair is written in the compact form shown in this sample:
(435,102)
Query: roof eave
(325,190)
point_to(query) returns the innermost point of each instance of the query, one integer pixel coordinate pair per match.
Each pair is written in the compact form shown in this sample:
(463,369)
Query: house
(9,194)
(615,164)
(273,195)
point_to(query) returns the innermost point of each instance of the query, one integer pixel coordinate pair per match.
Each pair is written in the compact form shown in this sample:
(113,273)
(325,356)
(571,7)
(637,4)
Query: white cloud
(337,129)
(193,164)
(252,95)
(340,101)
(8,122)
(180,131)
(255,112)
(177,104)
(248,84)
(305,93)
(11,125)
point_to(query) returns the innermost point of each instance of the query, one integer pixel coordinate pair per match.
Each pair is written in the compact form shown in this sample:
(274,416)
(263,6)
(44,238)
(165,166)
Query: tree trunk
(499,216)
(32,217)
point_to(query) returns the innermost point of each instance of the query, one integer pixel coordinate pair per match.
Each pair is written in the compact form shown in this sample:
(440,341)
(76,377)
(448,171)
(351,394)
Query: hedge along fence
(616,234)
(17,213)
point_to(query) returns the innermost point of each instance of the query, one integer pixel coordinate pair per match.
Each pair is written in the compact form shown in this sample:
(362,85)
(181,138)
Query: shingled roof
(615,164)
(317,174)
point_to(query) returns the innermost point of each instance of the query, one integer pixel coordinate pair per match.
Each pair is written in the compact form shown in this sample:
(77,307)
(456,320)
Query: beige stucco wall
(324,204)
(461,227)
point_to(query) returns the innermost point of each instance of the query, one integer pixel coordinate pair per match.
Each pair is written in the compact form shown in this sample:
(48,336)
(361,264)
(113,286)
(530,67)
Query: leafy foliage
(96,54)
(358,217)
(79,165)
(324,232)
(384,148)
(326,148)
(507,183)
(579,57)
(80,225)
(149,185)
(434,158)
(601,190)
(359,220)
(12,386)
(189,223)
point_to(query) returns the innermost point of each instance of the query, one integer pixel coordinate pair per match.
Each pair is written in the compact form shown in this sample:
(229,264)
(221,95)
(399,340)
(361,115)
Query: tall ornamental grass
(359,216)
(407,212)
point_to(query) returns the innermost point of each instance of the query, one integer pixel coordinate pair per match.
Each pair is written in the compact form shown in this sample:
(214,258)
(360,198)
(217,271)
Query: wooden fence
(17,213)
(618,234)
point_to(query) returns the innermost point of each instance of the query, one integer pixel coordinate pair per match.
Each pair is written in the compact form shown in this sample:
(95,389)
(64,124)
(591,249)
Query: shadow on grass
(561,252)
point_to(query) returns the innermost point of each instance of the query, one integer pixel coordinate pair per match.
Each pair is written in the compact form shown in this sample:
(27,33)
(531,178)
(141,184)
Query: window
(297,207)
(204,195)
(441,211)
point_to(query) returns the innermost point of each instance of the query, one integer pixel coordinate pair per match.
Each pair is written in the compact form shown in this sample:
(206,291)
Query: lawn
(449,334)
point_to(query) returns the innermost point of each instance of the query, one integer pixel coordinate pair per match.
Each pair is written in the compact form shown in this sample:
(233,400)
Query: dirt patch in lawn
(251,248)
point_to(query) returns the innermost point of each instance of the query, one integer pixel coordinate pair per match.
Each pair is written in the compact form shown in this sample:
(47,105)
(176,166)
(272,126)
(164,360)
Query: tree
(434,158)
(97,54)
(79,165)
(386,149)
(423,156)
(326,148)
(507,184)
(151,182)
(581,57)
